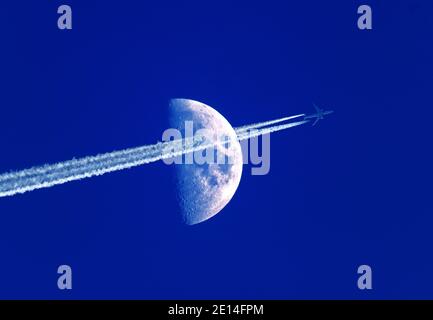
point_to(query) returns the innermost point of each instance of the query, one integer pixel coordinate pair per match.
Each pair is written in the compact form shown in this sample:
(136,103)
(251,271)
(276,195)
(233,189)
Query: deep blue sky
(356,189)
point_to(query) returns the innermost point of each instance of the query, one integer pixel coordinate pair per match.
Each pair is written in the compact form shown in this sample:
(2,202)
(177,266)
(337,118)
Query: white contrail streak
(55,174)
(116,154)
(266,123)
(258,125)
(262,131)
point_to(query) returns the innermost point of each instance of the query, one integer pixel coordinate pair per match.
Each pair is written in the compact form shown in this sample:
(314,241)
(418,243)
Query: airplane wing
(317,120)
(316,107)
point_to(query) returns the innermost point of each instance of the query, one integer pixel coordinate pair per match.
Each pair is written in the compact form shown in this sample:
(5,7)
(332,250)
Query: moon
(203,190)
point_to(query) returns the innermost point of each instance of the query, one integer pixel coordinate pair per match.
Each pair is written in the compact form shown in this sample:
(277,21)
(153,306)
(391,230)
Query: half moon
(205,189)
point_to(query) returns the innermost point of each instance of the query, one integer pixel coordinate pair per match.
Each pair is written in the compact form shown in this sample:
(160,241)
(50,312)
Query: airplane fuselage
(319,115)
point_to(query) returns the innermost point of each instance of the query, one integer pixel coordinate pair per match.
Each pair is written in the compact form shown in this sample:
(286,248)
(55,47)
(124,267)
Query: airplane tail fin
(317,108)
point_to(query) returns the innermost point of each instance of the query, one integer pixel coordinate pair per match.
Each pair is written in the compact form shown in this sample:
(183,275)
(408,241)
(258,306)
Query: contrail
(266,123)
(262,131)
(117,154)
(258,125)
(76,169)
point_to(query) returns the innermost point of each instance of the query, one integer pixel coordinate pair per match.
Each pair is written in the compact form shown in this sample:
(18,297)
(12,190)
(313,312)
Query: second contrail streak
(55,174)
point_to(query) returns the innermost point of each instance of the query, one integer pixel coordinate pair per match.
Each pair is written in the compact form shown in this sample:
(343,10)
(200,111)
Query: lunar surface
(205,189)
